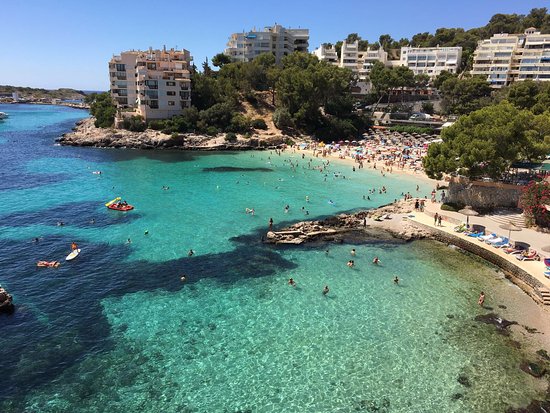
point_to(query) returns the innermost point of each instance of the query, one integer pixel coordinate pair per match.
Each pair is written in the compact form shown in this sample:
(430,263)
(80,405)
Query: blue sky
(62,43)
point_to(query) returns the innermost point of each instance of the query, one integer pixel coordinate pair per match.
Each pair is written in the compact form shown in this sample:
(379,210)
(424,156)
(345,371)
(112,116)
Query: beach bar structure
(156,84)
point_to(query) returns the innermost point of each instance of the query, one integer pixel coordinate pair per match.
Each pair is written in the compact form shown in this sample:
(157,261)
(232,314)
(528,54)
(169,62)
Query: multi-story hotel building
(156,84)
(245,46)
(431,61)
(505,58)
(358,61)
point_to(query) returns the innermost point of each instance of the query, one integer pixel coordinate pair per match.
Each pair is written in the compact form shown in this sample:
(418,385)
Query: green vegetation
(306,96)
(487,141)
(462,96)
(37,93)
(533,201)
(451,207)
(103,108)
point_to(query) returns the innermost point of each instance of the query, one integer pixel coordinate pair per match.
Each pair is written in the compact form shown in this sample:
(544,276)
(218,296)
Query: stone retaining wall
(517,275)
(484,195)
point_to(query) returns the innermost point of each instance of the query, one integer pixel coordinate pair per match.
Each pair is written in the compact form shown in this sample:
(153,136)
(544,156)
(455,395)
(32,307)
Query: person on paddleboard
(74,246)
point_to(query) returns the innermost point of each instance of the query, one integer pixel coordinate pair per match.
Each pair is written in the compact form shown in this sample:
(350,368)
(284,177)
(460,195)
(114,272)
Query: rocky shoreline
(86,134)
(6,302)
(384,223)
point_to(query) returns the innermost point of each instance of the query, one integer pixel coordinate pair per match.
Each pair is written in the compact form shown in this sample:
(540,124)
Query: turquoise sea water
(116,329)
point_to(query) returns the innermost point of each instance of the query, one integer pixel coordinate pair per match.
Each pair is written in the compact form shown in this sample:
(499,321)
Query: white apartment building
(326,53)
(505,58)
(431,61)
(358,61)
(156,84)
(245,46)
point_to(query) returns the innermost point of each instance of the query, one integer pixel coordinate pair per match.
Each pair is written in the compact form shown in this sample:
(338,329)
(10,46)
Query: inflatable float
(118,205)
(51,264)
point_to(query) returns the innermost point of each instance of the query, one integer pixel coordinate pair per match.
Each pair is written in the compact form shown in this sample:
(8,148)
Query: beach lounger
(513,250)
(494,240)
(460,228)
(530,256)
(475,234)
(547,262)
(484,238)
(502,244)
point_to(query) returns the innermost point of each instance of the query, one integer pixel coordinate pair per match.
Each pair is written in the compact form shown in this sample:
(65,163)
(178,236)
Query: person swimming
(353,252)
(190,253)
(396,280)
(292,282)
(351,263)
(325,290)
(376,261)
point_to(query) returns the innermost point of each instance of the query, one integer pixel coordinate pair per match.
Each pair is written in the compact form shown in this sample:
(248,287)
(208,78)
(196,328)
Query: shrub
(230,137)
(239,124)
(212,130)
(103,109)
(134,124)
(157,125)
(259,123)
(282,118)
(534,200)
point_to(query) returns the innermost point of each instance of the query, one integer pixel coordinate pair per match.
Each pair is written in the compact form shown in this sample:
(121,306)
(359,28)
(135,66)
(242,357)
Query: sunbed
(494,240)
(475,234)
(530,256)
(502,244)
(513,250)
(484,238)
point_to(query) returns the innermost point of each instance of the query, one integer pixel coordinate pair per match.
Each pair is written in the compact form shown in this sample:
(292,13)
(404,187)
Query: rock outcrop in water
(86,134)
(382,223)
(6,302)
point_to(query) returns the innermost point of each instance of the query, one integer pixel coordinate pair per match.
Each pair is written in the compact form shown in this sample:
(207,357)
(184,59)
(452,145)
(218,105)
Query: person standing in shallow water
(325,290)
(396,280)
(481,300)
(435,218)
(270,224)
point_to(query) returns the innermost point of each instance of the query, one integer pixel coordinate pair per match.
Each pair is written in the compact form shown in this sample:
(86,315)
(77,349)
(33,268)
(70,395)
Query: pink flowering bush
(535,202)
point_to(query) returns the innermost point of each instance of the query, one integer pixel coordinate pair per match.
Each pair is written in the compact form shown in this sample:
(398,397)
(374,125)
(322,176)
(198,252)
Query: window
(171,103)
(170,93)
(170,83)
(120,67)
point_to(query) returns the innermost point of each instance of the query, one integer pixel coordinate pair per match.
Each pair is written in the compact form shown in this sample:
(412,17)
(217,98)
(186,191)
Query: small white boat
(3,115)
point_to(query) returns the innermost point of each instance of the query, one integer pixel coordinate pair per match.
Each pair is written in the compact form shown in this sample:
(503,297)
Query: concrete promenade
(450,219)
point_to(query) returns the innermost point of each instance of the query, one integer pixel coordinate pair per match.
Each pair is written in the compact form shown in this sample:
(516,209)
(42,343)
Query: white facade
(505,58)
(245,46)
(155,83)
(431,61)
(326,54)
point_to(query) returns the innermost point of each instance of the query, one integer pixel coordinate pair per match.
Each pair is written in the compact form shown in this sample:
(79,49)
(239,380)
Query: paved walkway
(534,238)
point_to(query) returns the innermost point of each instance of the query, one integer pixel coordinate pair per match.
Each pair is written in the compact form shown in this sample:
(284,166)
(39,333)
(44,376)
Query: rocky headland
(86,134)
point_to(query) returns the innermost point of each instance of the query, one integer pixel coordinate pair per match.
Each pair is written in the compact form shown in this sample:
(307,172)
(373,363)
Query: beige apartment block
(507,58)
(155,84)
(280,41)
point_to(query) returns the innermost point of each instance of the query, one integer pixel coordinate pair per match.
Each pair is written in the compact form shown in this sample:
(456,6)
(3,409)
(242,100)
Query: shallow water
(116,329)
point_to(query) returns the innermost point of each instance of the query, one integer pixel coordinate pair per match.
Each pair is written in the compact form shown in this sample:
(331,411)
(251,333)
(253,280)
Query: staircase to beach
(545,295)
(505,216)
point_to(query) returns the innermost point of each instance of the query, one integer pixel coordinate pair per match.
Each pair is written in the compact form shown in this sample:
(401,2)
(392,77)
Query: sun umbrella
(546,248)
(510,226)
(469,212)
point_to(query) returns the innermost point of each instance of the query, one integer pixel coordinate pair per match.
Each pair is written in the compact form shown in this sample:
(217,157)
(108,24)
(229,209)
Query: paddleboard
(73,255)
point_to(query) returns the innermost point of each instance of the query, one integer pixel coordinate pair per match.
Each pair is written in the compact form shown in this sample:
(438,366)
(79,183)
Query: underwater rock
(494,319)
(534,369)
(536,406)
(463,379)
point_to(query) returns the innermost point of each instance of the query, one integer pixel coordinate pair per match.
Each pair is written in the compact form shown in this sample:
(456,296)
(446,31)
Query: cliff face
(86,134)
